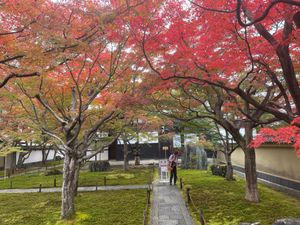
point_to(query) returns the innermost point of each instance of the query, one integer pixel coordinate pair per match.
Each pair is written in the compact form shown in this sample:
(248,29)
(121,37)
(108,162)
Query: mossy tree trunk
(69,187)
(229,167)
(250,166)
(126,153)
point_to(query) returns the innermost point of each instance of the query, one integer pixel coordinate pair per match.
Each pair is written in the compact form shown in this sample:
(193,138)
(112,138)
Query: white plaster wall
(100,156)
(37,156)
(277,160)
(150,137)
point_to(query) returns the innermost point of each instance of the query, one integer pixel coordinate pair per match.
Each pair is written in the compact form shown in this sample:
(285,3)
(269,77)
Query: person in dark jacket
(173,160)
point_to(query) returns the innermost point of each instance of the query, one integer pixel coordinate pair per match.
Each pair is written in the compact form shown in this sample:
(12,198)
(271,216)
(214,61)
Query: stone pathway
(81,189)
(168,206)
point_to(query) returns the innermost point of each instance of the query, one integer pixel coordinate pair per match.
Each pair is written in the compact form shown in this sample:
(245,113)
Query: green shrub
(98,166)
(53,172)
(219,170)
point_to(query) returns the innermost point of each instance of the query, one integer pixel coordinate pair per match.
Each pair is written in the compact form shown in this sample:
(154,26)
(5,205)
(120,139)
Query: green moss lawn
(223,202)
(114,177)
(102,208)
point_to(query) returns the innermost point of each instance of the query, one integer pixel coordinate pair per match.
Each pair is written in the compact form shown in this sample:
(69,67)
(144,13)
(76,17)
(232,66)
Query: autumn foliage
(92,66)
(248,48)
(282,135)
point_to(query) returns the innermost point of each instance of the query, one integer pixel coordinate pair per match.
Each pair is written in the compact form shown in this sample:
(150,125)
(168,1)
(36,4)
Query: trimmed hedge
(53,172)
(99,166)
(219,170)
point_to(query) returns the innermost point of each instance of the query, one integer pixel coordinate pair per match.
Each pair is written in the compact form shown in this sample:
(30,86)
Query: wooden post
(40,188)
(54,182)
(202,221)
(148,196)
(181,184)
(104,181)
(188,195)
(10,185)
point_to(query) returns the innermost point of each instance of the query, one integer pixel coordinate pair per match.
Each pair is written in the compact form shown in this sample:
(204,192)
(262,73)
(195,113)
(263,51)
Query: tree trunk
(227,153)
(229,170)
(137,157)
(251,176)
(184,151)
(182,141)
(22,157)
(45,154)
(188,157)
(250,167)
(77,179)
(125,152)
(71,165)
(137,160)
(54,155)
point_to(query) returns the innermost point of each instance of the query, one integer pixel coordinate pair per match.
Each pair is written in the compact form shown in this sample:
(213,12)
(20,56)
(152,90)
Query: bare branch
(8,59)
(212,9)
(57,117)
(15,75)
(265,13)
(18,30)
(65,147)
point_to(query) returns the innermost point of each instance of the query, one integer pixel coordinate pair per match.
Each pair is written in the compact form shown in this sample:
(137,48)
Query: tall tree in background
(137,122)
(191,103)
(215,46)
(271,35)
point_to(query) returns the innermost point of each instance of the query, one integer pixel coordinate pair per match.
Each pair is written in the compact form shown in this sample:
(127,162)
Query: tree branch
(265,13)
(15,75)
(57,117)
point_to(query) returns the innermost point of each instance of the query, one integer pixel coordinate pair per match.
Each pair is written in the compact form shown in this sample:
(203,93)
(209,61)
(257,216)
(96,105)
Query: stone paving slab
(80,189)
(168,206)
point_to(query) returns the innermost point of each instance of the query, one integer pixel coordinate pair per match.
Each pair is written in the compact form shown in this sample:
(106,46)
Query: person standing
(173,159)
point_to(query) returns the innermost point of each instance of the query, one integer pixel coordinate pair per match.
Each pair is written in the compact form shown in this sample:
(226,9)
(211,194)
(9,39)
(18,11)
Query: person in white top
(173,159)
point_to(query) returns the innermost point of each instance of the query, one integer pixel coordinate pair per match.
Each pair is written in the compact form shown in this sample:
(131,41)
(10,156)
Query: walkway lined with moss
(168,206)
(80,189)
